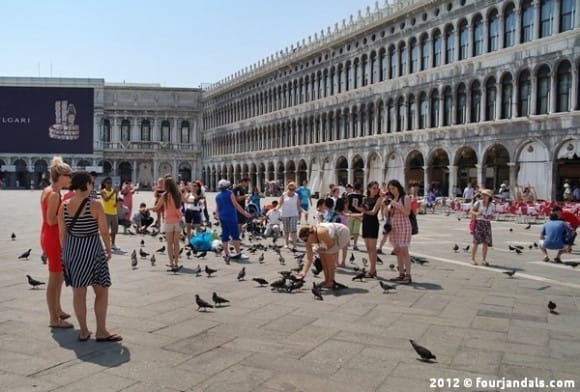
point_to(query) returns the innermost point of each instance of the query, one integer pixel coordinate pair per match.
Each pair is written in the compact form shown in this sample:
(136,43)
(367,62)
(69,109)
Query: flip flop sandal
(111,338)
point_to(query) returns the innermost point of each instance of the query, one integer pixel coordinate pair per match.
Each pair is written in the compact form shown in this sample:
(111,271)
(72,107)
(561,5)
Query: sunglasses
(67,175)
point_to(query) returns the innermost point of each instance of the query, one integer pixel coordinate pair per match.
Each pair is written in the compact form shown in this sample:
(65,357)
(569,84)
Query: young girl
(400,208)
(342,218)
(370,224)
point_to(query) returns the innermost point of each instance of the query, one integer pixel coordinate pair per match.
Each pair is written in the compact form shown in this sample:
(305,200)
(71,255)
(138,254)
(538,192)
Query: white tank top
(290,206)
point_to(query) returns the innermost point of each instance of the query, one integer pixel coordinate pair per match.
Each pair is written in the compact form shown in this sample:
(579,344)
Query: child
(142,219)
(273,220)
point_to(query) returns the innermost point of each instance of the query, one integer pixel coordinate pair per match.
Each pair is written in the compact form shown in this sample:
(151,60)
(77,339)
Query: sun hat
(486,192)
(223,184)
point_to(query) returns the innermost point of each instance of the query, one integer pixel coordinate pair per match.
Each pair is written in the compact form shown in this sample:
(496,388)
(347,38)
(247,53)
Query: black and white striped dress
(83,255)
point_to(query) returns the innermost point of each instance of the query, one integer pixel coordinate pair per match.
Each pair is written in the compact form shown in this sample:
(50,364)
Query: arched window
(567,13)
(424,53)
(463,40)
(524,91)
(371,120)
(355,73)
(402,59)
(185,135)
(382,64)
(374,68)
(165,131)
(348,76)
(125,131)
(527,34)
(381,117)
(400,114)
(436,48)
(414,55)
(390,116)
(145,131)
(447,106)
(434,109)
(546,17)
(564,86)
(461,111)
(392,62)
(490,99)
(493,31)
(509,26)
(106,131)
(411,112)
(477,36)
(475,102)
(543,99)
(365,70)
(423,106)
(506,96)
(450,43)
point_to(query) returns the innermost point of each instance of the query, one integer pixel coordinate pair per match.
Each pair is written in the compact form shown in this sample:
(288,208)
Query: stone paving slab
(477,321)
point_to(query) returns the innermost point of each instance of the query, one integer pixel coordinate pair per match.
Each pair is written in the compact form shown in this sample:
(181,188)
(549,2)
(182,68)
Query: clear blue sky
(172,42)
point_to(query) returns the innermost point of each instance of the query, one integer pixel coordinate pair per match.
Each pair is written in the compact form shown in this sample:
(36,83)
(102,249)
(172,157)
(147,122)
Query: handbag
(472,226)
(414,224)
(388,226)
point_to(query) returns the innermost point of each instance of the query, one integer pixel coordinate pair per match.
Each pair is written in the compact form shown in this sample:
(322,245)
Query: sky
(175,43)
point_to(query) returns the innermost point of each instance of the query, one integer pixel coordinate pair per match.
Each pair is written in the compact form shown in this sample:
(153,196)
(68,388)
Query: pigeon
(134,259)
(360,276)
(551,306)
(379,261)
(386,287)
(143,254)
(520,247)
(181,251)
(261,258)
(25,255)
(33,282)
(535,244)
(510,273)
(201,304)
(142,243)
(423,352)
(161,250)
(455,248)
(242,274)
(572,264)
(295,286)
(511,229)
(518,251)
(352,259)
(528,226)
(458,219)
(217,300)
(227,259)
(153,260)
(466,249)
(13,237)
(197,270)
(188,254)
(200,255)
(209,271)
(510,247)
(392,267)
(281,260)
(317,292)
(43,258)
(278,284)
(365,261)
(260,281)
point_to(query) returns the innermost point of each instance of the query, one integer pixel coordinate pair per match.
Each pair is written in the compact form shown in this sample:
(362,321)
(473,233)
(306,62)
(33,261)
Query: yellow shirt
(109,206)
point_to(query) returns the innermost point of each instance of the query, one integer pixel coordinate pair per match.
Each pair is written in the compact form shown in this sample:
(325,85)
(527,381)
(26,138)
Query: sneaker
(380,252)
(355,248)
(114,247)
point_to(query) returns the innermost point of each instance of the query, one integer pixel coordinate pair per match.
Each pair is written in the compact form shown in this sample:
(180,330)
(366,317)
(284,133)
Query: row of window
(476,37)
(471,103)
(145,132)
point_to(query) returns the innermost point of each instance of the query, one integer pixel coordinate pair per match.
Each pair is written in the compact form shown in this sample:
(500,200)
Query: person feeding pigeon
(555,236)
(227,209)
(328,238)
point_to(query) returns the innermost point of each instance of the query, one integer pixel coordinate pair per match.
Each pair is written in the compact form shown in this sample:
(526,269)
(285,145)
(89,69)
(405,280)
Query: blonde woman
(50,201)
(291,208)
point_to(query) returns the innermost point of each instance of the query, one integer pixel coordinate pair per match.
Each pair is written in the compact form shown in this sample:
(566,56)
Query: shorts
(354,226)
(172,227)
(230,229)
(341,240)
(193,217)
(113,223)
(305,207)
(290,223)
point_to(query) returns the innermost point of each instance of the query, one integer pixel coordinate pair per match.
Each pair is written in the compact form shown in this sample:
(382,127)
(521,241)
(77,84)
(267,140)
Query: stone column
(443,47)
(498,99)
(533,94)
(553,96)
(485,36)
(114,173)
(483,103)
(574,89)
(175,132)
(426,180)
(452,180)
(155,131)
(513,177)
(134,172)
(556,21)
(468,105)
(135,129)
(536,5)
(518,25)
(501,30)
(514,98)
(470,41)
(116,132)
(441,109)
(479,168)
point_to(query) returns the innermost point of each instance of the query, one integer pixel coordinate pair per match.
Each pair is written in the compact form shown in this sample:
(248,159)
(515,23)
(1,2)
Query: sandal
(474,262)
(369,275)
(397,278)
(81,339)
(546,259)
(64,316)
(299,277)
(406,280)
(485,263)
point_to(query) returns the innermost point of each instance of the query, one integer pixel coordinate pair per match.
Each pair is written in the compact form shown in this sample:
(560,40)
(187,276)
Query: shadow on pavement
(109,354)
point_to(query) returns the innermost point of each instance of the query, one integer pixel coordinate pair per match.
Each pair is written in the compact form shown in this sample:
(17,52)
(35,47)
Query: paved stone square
(479,322)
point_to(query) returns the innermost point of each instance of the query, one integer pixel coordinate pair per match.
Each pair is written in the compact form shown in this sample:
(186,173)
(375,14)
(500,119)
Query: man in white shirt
(468,193)
(273,220)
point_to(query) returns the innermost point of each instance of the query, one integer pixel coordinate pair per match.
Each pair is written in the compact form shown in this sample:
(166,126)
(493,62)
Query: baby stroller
(254,225)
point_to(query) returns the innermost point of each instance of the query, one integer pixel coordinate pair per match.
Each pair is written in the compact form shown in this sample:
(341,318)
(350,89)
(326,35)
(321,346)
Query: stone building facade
(140,132)
(434,93)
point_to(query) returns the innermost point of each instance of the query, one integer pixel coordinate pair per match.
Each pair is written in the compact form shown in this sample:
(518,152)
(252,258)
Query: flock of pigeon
(288,281)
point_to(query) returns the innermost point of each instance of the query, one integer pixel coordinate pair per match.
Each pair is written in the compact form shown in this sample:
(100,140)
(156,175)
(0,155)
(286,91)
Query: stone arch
(466,162)
(438,171)
(184,172)
(414,172)
(395,167)
(341,170)
(566,166)
(495,167)
(291,171)
(302,173)
(165,168)
(125,171)
(357,167)
(375,167)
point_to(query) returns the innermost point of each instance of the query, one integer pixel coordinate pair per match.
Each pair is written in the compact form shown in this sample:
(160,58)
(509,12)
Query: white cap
(223,184)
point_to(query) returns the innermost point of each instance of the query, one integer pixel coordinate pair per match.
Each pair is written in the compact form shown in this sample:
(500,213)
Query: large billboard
(46,120)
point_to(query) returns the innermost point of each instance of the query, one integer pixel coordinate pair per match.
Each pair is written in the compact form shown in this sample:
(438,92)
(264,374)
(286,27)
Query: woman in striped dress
(85,261)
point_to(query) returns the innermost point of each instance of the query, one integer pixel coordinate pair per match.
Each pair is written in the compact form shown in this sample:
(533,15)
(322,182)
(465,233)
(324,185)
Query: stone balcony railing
(142,146)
